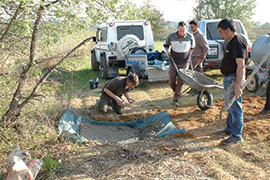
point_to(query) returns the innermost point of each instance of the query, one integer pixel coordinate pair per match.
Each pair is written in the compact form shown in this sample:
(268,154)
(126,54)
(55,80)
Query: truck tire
(253,85)
(104,68)
(94,63)
(125,44)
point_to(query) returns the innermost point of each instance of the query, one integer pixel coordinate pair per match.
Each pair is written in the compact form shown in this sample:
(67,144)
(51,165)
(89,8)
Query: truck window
(212,31)
(103,35)
(239,28)
(136,30)
(213,34)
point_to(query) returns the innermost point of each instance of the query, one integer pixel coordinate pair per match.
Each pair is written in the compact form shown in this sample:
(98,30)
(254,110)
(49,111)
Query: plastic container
(93,83)
(34,167)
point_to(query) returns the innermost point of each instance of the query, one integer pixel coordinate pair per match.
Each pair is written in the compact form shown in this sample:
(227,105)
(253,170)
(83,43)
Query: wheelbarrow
(200,84)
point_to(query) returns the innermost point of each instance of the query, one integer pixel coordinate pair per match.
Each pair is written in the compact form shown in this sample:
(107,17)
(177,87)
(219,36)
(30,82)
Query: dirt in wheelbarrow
(195,154)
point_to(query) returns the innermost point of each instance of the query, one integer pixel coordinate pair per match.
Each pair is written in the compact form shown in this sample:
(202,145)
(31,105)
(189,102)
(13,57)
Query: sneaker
(265,111)
(224,131)
(231,140)
(176,104)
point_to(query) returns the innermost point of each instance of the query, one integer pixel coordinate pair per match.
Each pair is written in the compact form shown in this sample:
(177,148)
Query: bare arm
(240,74)
(202,58)
(112,95)
(167,52)
(190,51)
(130,100)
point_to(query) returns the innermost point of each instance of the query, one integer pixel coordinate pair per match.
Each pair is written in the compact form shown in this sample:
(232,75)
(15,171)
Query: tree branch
(50,71)
(40,61)
(18,10)
(14,107)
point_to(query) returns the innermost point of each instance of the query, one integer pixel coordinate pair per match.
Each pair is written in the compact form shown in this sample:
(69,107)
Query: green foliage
(49,164)
(159,45)
(257,29)
(214,74)
(219,9)
(130,11)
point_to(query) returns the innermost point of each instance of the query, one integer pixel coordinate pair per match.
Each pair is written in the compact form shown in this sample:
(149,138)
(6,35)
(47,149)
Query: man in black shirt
(114,89)
(233,69)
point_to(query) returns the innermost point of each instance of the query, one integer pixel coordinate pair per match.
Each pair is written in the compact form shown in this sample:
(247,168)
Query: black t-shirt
(236,48)
(117,86)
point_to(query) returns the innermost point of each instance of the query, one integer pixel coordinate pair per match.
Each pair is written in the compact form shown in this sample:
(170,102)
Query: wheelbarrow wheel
(204,100)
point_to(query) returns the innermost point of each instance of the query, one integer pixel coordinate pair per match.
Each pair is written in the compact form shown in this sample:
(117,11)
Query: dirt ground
(195,154)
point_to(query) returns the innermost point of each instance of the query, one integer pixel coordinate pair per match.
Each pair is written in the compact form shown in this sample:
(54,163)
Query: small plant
(49,164)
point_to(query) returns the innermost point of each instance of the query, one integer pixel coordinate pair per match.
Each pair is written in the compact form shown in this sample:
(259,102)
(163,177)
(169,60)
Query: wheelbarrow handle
(242,88)
(175,66)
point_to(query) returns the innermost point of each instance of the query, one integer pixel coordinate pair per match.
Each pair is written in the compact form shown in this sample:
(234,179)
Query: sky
(171,12)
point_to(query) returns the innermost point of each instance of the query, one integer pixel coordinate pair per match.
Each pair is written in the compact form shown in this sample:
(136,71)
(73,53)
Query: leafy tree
(219,9)
(29,28)
(130,11)
(258,29)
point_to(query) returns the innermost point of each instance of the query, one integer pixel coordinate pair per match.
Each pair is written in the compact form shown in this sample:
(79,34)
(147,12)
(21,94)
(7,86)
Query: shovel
(242,88)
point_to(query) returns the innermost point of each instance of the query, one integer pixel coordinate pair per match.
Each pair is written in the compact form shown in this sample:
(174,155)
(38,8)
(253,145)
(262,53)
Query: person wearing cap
(114,89)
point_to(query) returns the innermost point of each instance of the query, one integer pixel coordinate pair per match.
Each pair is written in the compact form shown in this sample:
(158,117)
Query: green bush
(49,164)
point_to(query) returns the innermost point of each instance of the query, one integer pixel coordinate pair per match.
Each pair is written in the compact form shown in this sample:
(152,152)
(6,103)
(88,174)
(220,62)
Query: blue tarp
(71,123)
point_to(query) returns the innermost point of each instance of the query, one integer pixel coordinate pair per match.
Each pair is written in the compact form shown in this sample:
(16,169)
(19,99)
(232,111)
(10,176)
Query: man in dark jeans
(233,69)
(266,108)
(114,89)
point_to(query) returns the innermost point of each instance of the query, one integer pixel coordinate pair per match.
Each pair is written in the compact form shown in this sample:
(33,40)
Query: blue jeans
(235,113)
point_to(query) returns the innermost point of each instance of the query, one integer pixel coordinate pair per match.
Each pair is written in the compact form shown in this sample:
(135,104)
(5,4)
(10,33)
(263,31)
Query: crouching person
(114,89)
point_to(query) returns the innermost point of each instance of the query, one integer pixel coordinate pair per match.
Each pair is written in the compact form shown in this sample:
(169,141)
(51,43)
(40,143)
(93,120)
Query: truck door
(101,45)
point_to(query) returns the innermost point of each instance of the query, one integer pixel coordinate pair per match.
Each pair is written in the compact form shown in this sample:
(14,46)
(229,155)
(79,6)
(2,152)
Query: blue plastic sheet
(70,124)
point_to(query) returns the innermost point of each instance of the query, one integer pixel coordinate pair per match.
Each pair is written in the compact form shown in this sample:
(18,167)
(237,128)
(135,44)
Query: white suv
(114,40)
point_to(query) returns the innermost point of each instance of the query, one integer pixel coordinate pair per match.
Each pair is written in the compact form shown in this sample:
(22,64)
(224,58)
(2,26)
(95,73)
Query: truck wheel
(205,101)
(253,85)
(104,68)
(138,50)
(94,63)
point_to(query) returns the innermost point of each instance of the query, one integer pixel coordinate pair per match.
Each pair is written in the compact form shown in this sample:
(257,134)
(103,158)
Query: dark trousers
(175,81)
(195,61)
(267,102)
(106,100)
